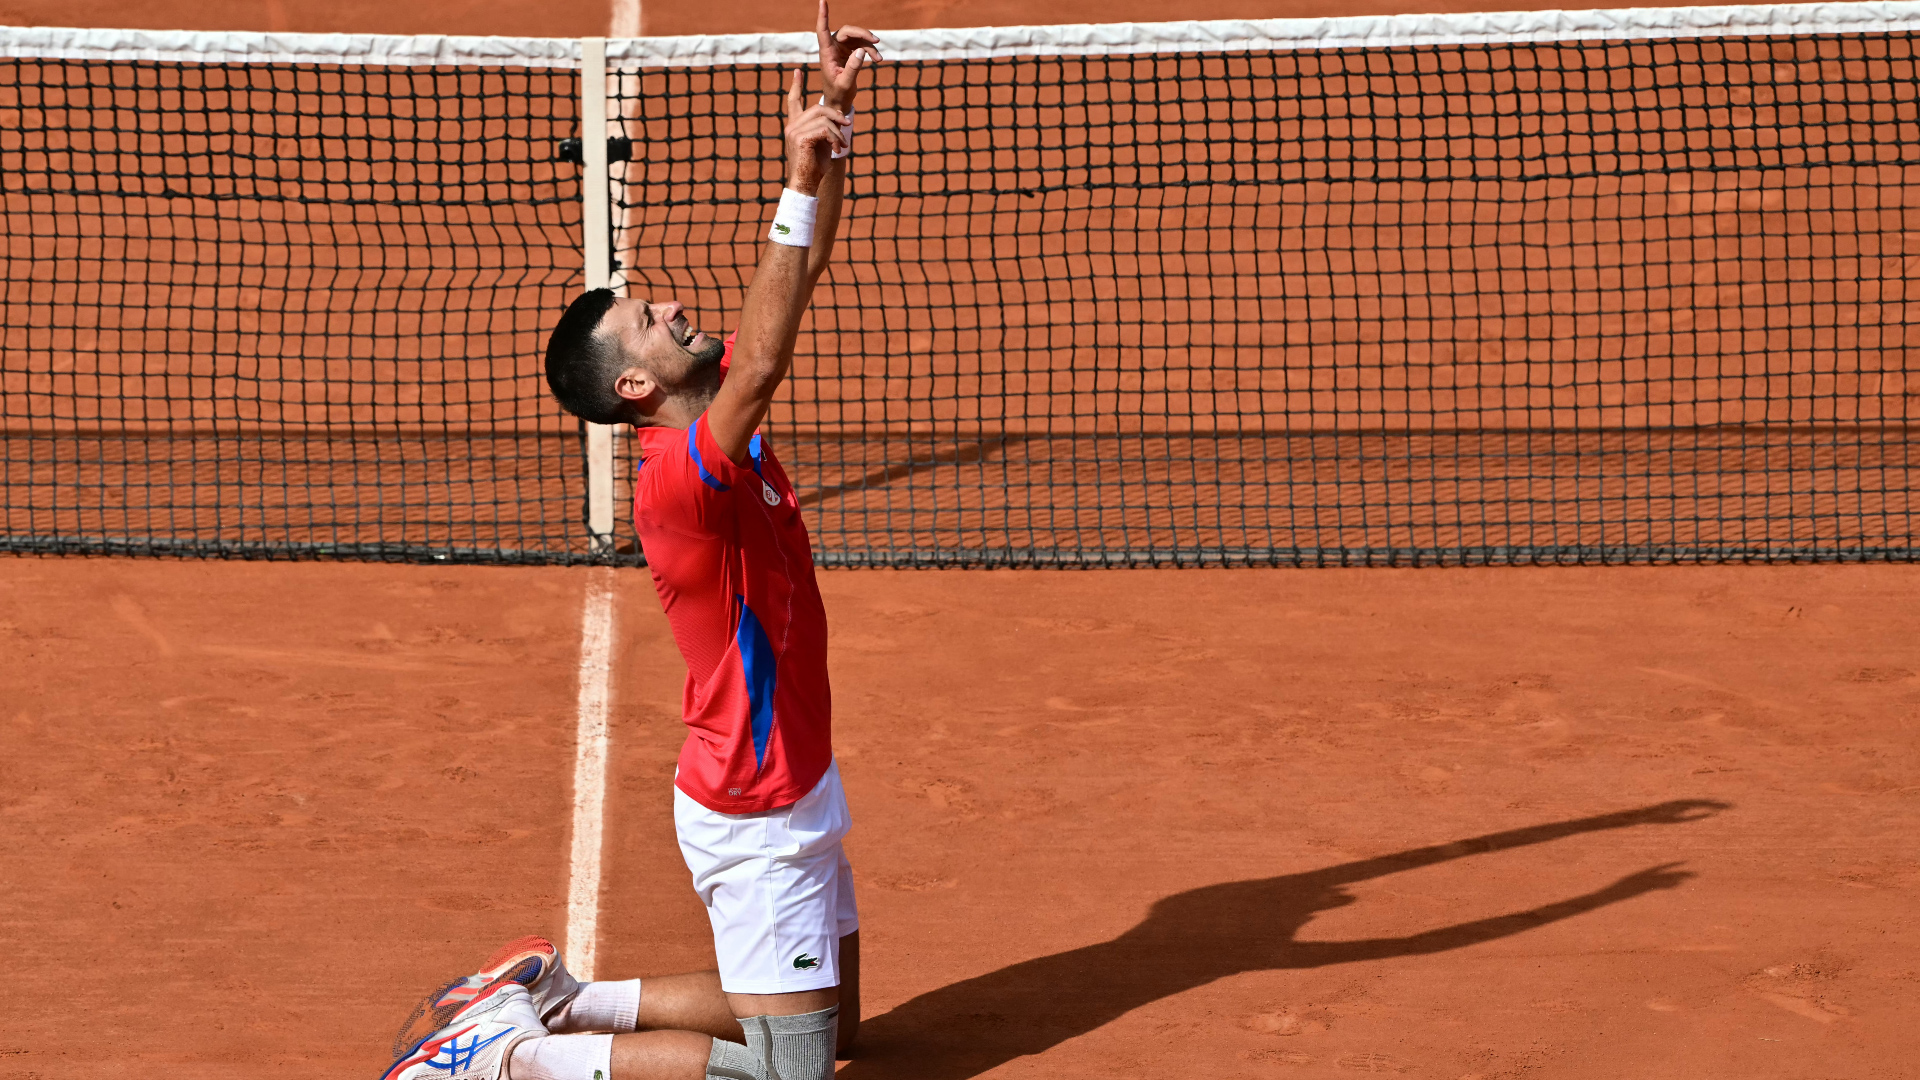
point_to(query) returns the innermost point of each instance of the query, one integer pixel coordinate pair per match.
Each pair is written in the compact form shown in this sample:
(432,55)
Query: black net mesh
(1590,302)
(1587,302)
(286,310)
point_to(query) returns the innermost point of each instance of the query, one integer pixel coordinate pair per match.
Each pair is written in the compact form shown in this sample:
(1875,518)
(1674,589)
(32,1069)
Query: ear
(638,386)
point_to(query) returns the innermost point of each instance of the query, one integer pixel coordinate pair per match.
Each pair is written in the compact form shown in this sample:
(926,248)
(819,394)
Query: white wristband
(846,134)
(793,222)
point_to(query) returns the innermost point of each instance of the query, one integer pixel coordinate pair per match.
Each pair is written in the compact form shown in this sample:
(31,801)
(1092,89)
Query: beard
(709,354)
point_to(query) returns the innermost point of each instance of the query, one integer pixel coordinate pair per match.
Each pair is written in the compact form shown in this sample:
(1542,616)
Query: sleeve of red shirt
(716,470)
(690,486)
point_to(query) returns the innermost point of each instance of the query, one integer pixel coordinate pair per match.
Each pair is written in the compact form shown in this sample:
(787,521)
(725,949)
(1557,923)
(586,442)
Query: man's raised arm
(840,57)
(798,247)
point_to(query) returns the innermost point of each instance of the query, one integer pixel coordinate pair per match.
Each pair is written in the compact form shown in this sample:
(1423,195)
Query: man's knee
(779,1048)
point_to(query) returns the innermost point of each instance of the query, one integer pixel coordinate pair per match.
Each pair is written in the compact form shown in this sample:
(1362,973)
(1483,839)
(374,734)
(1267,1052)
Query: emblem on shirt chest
(767,493)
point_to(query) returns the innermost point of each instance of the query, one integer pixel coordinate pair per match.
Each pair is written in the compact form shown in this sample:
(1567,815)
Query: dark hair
(582,363)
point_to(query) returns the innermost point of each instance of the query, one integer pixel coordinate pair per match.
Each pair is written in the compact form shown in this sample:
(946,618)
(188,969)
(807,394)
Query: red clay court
(1452,822)
(1248,823)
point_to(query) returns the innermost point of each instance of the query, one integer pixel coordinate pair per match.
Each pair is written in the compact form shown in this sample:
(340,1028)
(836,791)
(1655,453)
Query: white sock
(563,1057)
(599,1006)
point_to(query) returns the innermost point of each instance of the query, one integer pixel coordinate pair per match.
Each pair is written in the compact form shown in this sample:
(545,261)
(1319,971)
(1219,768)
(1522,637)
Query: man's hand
(813,134)
(841,57)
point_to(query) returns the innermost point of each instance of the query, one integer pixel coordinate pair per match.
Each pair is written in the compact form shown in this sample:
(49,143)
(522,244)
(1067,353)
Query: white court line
(590,773)
(625,19)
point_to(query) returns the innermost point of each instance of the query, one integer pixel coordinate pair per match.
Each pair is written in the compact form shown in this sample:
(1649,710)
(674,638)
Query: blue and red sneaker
(477,1043)
(531,962)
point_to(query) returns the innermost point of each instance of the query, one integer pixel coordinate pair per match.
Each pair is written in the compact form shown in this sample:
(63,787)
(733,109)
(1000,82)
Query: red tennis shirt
(731,560)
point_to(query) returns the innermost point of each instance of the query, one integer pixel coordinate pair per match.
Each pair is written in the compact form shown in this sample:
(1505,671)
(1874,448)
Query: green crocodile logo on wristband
(781,229)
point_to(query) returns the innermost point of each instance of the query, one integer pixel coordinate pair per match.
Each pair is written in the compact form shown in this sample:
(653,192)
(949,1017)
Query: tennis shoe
(531,962)
(477,1043)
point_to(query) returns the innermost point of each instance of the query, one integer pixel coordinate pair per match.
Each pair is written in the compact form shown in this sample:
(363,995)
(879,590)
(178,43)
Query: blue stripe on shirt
(693,451)
(762,668)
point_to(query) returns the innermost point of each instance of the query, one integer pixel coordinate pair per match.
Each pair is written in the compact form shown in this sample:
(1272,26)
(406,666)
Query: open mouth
(684,333)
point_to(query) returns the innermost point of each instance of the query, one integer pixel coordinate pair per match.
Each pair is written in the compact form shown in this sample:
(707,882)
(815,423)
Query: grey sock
(731,1061)
(803,1045)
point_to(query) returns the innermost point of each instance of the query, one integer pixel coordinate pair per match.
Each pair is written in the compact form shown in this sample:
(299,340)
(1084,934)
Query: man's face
(659,338)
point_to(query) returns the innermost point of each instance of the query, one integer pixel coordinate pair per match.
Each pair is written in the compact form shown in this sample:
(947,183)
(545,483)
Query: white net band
(1226,35)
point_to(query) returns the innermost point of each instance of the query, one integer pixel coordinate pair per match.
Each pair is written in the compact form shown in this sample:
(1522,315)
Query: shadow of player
(1195,937)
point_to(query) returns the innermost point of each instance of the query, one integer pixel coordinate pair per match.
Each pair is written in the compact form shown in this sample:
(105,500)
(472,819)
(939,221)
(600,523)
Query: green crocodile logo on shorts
(804,962)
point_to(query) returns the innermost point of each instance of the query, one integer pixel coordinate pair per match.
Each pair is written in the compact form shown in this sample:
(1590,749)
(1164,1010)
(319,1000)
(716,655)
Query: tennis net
(1535,287)
(266,303)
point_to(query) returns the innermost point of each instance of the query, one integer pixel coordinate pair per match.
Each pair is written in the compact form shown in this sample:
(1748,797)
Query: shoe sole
(413,1056)
(438,1009)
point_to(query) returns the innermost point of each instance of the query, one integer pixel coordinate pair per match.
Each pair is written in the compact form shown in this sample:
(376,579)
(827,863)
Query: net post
(596,217)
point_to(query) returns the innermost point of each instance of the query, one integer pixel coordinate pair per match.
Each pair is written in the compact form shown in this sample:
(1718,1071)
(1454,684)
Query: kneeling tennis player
(758,806)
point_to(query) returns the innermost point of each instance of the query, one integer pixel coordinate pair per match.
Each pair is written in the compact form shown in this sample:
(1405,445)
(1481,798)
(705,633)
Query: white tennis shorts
(778,889)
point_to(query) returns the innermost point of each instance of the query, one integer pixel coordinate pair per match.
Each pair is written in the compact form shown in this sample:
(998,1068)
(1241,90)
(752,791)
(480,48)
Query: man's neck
(680,411)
